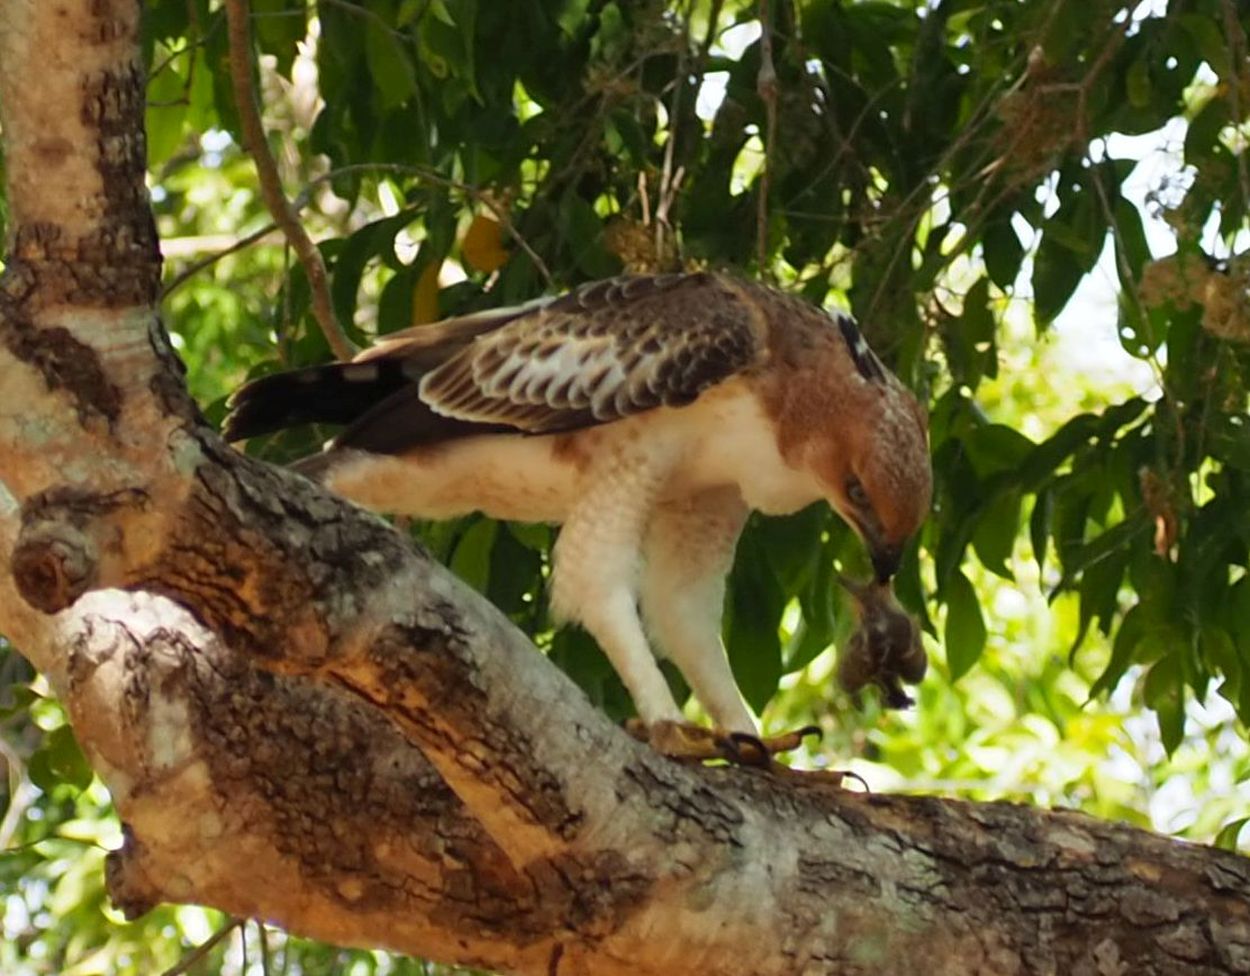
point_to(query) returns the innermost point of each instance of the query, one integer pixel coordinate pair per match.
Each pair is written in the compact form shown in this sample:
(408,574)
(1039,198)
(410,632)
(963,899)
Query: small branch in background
(20,794)
(203,949)
(284,214)
(262,938)
(1236,40)
(667,190)
(766,87)
(301,201)
(206,262)
(430,176)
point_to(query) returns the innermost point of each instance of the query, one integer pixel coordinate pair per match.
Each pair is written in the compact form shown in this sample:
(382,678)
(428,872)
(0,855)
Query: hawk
(647,416)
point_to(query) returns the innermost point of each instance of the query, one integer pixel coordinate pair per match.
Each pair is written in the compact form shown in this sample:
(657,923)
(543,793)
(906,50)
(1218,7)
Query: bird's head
(878,478)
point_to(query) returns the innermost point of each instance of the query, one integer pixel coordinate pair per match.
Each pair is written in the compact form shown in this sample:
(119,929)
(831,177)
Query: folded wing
(602,352)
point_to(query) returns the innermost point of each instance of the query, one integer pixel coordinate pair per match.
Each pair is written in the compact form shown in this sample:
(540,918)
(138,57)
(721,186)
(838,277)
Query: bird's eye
(855,492)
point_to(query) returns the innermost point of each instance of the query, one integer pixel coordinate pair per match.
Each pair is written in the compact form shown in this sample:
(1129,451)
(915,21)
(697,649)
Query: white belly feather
(721,439)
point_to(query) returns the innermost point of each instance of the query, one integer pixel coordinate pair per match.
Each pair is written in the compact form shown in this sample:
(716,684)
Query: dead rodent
(885,649)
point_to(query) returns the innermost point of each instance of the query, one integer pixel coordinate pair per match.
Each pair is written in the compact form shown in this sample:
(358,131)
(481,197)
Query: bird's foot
(819,778)
(685,740)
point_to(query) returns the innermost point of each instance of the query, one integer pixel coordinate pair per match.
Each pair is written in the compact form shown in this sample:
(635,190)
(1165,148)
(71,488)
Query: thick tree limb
(302,718)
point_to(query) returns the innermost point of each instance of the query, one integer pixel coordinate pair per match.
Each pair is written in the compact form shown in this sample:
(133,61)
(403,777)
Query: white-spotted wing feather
(603,352)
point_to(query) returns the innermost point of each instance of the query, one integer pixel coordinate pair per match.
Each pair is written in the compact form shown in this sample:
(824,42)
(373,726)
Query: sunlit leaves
(59,760)
(756,601)
(931,168)
(964,636)
(569,115)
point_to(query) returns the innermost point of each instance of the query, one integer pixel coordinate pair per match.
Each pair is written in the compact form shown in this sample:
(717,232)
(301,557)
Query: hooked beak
(885,560)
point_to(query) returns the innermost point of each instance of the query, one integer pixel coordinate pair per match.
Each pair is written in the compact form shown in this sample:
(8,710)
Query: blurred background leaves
(1037,212)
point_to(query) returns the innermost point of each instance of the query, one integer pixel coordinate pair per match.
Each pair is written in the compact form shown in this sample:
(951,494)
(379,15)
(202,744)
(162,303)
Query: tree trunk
(301,718)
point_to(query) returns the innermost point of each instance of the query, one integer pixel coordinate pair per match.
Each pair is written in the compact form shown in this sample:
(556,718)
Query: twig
(1236,57)
(766,88)
(197,266)
(284,215)
(373,16)
(262,937)
(203,949)
(472,192)
(301,201)
(667,190)
(19,794)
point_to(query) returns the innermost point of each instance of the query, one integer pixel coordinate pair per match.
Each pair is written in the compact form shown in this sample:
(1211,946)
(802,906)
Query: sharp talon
(684,741)
(637,728)
(807,730)
(862,782)
(735,742)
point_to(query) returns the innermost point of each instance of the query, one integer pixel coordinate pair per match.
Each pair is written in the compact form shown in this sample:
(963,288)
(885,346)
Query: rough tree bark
(301,718)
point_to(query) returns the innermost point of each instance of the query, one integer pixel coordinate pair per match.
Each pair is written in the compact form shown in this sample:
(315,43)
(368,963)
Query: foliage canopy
(926,164)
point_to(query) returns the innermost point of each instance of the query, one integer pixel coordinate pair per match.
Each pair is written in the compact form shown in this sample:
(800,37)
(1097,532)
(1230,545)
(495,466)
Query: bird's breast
(732,440)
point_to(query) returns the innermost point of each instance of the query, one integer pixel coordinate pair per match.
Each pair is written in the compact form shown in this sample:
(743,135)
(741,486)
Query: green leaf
(1040,526)
(280,26)
(1230,440)
(752,640)
(965,634)
(792,544)
(612,37)
(996,447)
(572,16)
(17,699)
(577,655)
(515,575)
(826,619)
(1230,834)
(1099,593)
(1137,83)
(390,64)
(374,240)
(994,538)
(1003,253)
(59,760)
(1046,457)
(1219,653)
(1117,540)
(1056,273)
(166,116)
(1130,237)
(438,8)
(395,302)
(583,231)
(1208,37)
(471,560)
(1164,691)
(1123,650)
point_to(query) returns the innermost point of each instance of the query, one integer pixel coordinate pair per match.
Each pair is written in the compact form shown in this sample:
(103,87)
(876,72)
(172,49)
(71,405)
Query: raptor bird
(647,416)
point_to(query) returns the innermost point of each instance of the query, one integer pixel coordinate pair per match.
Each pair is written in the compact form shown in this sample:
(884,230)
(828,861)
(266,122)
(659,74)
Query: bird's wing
(604,351)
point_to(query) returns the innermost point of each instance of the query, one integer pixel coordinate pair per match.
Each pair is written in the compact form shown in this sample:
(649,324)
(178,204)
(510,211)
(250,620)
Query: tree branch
(284,215)
(766,88)
(300,717)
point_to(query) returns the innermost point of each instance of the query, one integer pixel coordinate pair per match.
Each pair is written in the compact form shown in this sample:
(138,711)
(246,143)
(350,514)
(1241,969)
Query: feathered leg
(597,561)
(688,553)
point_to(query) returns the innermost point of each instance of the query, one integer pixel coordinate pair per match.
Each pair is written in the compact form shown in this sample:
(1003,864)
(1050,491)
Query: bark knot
(53,565)
(57,557)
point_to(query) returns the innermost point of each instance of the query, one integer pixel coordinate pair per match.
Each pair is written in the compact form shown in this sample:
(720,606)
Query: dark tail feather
(337,393)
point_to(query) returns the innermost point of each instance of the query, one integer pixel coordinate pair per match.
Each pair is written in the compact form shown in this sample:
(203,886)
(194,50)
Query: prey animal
(648,416)
(884,650)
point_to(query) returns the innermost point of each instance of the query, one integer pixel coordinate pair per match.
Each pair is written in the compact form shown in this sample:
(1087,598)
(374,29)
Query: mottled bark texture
(302,719)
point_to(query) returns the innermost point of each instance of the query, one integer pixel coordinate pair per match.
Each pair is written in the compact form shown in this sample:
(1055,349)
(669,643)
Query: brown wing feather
(604,351)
